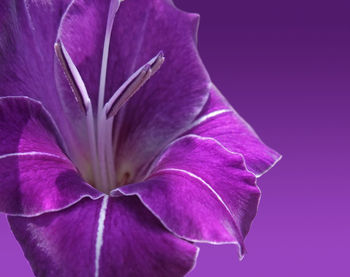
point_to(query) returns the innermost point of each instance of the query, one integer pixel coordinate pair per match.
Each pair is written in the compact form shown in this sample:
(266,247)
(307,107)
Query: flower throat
(102,172)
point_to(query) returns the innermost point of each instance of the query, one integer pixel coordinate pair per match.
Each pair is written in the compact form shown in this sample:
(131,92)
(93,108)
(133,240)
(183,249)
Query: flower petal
(128,241)
(60,243)
(36,176)
(220,121)
(139,244)
(200,191)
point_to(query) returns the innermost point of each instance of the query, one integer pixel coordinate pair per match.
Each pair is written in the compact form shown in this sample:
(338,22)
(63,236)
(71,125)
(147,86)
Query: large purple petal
(109,237)
(61,243)
(220,121)
(36,176)
(200,191)
(139,244)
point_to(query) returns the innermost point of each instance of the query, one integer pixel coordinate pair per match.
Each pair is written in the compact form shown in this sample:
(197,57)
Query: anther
(158,62)
(132,85)
(128,91)
(72,74)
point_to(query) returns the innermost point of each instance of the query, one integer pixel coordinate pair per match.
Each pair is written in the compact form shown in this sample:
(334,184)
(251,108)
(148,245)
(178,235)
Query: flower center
(100,129)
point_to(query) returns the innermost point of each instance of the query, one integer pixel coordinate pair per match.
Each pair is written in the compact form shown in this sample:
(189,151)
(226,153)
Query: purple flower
(116,150)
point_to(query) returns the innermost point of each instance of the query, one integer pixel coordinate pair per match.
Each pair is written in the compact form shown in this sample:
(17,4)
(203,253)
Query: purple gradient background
(285,67)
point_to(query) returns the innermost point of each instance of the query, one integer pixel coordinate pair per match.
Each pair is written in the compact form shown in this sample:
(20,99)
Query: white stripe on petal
(33,153)
(207,185)
(210,115)
(99,236)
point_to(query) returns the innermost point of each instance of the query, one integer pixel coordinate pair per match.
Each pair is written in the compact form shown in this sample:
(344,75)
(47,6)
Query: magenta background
(285,67)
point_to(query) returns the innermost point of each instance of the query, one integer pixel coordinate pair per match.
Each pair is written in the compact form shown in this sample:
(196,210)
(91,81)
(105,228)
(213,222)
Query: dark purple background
(285,67)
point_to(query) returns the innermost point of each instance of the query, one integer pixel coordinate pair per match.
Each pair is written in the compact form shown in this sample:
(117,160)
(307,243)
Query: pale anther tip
(57,47)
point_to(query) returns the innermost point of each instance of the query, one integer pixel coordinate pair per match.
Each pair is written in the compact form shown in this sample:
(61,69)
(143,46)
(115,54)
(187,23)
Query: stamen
(132,85)
(83,99)
(73,76)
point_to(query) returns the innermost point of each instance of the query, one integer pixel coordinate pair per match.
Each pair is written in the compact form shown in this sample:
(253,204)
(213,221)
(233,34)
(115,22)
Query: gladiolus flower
(117,153)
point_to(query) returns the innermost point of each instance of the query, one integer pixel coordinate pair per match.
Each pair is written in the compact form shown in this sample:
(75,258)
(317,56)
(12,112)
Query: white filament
(113,8)
(105,154)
